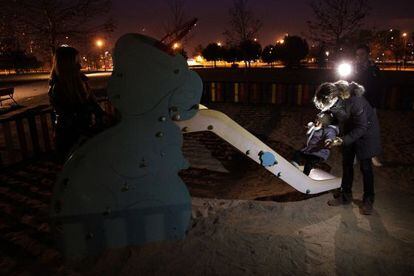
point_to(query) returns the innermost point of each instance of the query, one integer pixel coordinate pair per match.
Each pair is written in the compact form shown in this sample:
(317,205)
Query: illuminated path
(32,89)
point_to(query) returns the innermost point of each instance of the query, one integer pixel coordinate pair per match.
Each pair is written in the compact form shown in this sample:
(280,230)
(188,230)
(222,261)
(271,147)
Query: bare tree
(176,16)
(243,25)
(49,22)
(8,40)
(335,20)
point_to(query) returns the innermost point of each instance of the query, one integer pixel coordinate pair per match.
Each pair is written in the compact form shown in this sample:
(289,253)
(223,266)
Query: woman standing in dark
(73,103)
(359,136)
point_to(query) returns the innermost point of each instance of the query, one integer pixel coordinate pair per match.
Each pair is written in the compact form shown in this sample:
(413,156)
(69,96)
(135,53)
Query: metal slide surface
(223,126)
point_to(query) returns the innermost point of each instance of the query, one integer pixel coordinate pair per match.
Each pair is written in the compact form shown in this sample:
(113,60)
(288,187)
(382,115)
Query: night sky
(278,17)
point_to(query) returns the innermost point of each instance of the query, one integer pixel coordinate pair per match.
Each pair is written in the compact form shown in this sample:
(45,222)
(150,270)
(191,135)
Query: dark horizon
(278,17)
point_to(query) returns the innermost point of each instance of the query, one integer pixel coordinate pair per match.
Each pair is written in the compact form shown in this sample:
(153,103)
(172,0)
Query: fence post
(45,131)
(213,91)
(9,141)
(33,133)
(236,92)
(274,93)
(299,95)
(22,138)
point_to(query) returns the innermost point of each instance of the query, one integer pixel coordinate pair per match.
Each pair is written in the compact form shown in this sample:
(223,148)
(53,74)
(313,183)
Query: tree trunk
(52,46)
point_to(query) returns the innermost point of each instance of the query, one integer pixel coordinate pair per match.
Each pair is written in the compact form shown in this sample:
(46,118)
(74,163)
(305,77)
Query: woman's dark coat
(359,125)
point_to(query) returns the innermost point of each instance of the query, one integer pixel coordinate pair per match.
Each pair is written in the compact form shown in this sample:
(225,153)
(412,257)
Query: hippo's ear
(185,99)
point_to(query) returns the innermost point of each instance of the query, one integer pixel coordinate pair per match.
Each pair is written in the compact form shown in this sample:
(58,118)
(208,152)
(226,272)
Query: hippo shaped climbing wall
(122,187)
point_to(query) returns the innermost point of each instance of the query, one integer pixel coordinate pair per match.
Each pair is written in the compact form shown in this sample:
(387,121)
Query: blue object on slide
(267,159)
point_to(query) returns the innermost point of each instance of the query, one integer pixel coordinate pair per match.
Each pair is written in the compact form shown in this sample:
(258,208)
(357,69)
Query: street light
(199,59)
(99,43)
(404,35)
(219,44)
(176,45)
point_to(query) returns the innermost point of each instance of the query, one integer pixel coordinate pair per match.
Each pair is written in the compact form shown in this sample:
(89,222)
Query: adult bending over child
(359,136)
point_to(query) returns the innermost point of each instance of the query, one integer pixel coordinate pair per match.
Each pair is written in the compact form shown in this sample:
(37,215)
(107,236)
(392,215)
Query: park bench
(6,93)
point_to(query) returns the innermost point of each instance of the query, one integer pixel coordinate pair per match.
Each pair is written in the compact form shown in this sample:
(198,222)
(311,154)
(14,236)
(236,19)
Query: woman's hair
(66,74)
(326,96)
(328,93)
(348,89)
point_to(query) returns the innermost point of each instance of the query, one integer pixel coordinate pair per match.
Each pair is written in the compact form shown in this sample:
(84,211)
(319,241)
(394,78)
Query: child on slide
(320,133)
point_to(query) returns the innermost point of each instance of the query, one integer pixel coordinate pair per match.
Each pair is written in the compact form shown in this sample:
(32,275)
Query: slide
(217,122)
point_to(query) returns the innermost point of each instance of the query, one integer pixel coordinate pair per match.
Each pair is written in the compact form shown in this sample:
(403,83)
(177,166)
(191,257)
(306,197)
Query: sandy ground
(282,233)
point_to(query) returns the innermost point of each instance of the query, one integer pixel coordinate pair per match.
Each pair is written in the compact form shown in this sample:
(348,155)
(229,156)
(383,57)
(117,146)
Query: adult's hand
(333,142)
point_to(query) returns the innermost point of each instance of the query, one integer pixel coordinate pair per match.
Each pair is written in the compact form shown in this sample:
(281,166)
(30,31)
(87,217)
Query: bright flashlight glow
(344,69)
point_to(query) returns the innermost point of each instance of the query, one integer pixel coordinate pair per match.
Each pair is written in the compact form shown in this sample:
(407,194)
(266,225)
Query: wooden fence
(390,97)
(30,134)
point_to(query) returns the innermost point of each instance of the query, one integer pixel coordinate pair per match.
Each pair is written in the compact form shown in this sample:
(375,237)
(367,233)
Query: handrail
(29,133)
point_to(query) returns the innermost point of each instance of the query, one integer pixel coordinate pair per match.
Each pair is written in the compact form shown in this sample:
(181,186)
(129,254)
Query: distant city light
(344,69)
(199,59)
(255,39)
(281,41)
(176,45)
(404,34)
(100,43)
(327,53)
(219,43)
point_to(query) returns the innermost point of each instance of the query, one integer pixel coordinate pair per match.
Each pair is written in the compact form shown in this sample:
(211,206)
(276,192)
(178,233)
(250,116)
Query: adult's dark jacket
(359,125)
(75,114)
(72,120)
(370,78)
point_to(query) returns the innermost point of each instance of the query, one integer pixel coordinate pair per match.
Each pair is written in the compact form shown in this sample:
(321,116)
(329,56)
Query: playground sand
(231,234)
